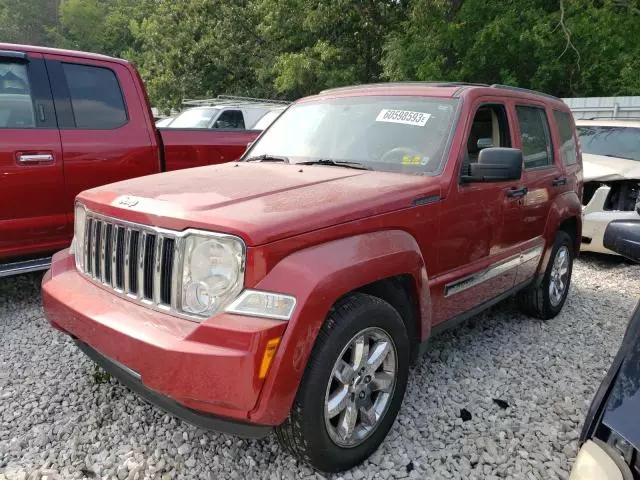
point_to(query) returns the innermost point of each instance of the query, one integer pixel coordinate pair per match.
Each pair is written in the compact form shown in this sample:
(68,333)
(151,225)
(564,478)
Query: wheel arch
(387,264)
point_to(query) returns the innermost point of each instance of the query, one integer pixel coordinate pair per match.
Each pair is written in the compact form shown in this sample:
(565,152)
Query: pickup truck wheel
(353,385)
(545,300)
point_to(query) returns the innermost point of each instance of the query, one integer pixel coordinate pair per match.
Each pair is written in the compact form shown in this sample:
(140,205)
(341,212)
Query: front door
(32,210)
(475,264)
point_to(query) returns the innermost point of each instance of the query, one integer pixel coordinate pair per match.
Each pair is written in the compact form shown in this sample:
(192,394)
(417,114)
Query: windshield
(266,120)
(194,118)
(620,142)
(386,133)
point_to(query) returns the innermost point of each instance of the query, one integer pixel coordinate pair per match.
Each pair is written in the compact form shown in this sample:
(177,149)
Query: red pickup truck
(391,213)
(70,121)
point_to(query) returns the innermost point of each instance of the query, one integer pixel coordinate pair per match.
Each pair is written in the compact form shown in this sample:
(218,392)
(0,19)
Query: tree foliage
(291,48)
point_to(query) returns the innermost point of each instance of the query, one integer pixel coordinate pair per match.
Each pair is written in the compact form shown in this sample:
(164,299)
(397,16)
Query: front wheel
(546,299)
(352,388)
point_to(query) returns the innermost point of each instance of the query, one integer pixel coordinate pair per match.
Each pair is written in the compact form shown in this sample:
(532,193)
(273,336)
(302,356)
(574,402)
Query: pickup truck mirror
(495,164)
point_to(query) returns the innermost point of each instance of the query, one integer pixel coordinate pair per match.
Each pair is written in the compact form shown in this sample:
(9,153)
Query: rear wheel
(353,385)
(546,299)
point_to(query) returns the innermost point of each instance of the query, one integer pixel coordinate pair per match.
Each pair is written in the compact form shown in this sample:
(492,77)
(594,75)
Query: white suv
(611,161)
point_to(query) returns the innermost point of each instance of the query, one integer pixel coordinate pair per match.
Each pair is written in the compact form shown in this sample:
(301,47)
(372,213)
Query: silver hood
(607,169)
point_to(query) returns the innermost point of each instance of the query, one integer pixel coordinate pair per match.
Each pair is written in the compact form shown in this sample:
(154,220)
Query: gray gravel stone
(57,423)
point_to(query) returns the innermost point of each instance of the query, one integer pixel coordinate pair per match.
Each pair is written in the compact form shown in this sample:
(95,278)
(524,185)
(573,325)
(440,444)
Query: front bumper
(197,371)
(596,220)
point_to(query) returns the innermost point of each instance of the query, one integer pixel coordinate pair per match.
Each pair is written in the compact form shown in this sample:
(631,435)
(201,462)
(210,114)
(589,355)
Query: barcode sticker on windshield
(403,116)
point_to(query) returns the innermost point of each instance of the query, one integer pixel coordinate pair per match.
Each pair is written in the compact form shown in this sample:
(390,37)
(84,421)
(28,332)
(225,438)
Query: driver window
(490,128)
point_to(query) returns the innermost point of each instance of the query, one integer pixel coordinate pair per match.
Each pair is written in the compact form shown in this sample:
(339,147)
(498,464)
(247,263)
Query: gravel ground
(58,419)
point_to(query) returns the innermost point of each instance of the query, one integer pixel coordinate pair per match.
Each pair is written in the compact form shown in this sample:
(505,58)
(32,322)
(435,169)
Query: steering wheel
(395,155)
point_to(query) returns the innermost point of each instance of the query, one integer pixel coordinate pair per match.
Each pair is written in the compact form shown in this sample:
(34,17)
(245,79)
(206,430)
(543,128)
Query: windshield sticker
(414,160)
(403,116)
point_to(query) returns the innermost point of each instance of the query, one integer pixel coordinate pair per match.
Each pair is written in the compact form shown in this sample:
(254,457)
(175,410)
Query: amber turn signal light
(267,357)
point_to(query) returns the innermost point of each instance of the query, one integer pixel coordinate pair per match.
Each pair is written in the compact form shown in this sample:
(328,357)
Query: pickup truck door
(32,211)
(105,126)
(475,264)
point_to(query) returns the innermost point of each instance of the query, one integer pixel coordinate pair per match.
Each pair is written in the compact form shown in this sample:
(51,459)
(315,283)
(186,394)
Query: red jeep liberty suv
(291,290)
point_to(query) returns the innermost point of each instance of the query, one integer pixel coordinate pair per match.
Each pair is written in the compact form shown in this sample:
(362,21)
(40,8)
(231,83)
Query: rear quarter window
(96,97)
(568,151)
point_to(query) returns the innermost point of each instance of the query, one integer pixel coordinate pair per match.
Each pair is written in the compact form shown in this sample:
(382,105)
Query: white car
(611,162)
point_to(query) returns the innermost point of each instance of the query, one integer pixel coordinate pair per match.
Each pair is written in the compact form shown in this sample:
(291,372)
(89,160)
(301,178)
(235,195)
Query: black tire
(304,433)
(535,300)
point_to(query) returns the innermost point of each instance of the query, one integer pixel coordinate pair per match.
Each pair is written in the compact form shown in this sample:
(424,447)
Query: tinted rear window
(96,97)
(620,142)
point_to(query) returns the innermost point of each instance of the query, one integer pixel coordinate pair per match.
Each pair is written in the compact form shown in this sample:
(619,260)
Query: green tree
(196,48)
(317,45)
(570,48)
(28,21)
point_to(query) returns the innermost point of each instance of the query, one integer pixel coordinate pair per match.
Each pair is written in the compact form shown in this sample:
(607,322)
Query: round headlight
(212,273)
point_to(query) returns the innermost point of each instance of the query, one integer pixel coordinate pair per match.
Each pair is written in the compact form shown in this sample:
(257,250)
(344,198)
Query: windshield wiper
(337,163)
(267,158)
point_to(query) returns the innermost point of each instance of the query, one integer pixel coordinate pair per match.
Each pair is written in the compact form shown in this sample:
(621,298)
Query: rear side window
(535,137)
(96,97)
(16,102)
(567,141)
(230,119)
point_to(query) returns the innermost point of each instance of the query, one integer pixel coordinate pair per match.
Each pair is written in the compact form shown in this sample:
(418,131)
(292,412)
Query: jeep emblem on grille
(128,202)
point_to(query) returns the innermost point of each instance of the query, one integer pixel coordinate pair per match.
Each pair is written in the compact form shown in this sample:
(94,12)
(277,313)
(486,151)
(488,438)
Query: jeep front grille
(131,259)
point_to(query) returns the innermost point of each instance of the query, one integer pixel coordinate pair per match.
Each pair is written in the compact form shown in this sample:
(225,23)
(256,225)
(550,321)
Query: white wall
(604,107)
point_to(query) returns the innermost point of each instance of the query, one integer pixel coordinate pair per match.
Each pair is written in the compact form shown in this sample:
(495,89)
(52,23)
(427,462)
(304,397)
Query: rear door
(32,211)
(543,177)
(104,125)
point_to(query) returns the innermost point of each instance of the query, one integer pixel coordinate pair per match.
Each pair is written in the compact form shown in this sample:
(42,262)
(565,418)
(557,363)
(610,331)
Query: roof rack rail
(524,90)
(233,100)
(615,119)
(389,84)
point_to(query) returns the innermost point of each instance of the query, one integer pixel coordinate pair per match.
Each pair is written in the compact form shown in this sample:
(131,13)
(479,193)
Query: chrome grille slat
(127,253)
(87,244)
(94,234)
(176,278)
(134,260)
(113,281)
(157,268)
(142,242)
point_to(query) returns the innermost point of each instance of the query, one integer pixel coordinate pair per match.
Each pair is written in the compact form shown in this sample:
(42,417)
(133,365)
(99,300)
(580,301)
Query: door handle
(26,158)
(517,192)
(559,181)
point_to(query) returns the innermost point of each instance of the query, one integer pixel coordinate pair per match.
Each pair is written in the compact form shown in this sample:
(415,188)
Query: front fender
(317,277)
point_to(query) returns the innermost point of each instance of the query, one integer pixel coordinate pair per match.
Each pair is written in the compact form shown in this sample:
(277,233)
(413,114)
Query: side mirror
(484,143)
(495,164)
(623,237)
